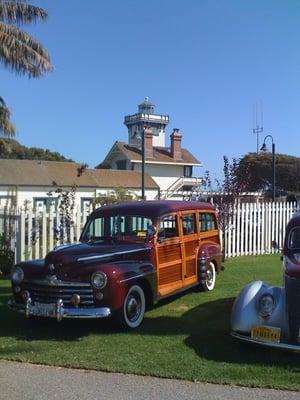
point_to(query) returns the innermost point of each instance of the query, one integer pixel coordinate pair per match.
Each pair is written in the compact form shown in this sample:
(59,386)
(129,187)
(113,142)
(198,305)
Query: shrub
(7,257)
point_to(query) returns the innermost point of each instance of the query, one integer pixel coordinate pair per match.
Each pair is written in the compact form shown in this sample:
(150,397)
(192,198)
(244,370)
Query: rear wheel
(209,281)
(132,313)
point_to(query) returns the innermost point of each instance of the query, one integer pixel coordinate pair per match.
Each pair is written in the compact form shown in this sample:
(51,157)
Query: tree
(258,168)
(19,51)
(6,126)
(228,191)
(118,195)
(10,148)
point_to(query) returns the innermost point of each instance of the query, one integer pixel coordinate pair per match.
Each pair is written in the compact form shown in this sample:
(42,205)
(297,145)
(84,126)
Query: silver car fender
(245,312)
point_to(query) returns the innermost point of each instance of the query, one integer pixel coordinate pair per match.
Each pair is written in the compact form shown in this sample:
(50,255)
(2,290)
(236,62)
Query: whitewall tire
(210,278)
(132,314)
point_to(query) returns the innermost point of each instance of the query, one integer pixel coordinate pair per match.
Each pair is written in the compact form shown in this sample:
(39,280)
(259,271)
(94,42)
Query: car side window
(207,222)
(168,227)
(188,224)
(294,239)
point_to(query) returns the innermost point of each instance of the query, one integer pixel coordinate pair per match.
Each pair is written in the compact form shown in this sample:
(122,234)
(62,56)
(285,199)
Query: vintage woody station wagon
(129,256)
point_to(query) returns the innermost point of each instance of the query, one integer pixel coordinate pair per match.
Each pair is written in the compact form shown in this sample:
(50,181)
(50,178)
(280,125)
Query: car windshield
(294,239)
(130,228)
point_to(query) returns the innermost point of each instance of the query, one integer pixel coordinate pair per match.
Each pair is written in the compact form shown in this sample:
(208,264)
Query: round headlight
(266,305)
(99,280)
(17,275)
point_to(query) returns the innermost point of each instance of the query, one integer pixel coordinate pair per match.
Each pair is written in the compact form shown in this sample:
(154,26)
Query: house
(170,167)
(34,181)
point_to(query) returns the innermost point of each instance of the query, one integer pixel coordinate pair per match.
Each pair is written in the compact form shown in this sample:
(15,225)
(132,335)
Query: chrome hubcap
(209,276)
(133,307)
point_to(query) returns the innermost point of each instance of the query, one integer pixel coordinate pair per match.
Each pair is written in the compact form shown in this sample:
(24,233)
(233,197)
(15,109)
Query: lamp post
(264,148)
(143,162)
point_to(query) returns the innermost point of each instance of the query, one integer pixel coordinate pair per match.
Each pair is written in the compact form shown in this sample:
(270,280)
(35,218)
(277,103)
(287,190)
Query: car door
(169,255)
(190,241)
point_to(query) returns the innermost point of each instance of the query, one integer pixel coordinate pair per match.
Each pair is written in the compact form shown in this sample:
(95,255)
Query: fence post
(44,232)
(51,228)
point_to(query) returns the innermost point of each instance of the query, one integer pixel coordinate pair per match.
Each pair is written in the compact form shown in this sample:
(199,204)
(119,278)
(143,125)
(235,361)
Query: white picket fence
(253,228)
(33,233)
(251,231)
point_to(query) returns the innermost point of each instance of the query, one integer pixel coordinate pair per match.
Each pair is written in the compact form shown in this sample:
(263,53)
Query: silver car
(269,315)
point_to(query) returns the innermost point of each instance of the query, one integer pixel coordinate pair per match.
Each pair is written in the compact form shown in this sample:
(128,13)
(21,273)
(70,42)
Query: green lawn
(186,338)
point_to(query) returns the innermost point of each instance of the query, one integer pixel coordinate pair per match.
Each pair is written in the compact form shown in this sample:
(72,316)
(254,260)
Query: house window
(121,164)
(39,203)
(86,203)
(188,171)
(7,201)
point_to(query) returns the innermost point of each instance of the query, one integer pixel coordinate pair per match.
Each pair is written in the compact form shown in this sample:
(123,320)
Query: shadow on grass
(205,329)
(5,290)
(20,328)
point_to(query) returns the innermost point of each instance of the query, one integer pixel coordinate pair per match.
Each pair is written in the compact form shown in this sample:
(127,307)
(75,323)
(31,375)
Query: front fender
(245,312)
(122,275)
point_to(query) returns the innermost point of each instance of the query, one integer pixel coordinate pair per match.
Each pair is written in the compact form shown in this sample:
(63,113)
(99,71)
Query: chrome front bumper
(282,346)
(59,311)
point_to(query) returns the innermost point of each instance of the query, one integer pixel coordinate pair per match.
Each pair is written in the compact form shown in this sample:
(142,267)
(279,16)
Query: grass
(186,337)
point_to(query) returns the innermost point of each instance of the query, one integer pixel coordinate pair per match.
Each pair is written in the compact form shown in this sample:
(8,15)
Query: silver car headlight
(17,275)
(266,305)
(99,280)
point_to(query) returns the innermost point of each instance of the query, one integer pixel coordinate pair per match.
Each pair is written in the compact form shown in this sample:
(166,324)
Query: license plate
(42,310)
(266,333)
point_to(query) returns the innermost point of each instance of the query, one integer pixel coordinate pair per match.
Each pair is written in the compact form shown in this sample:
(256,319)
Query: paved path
(21,381)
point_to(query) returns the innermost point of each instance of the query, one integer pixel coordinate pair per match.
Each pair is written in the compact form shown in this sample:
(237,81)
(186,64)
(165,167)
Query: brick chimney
(176,144)
(148,142)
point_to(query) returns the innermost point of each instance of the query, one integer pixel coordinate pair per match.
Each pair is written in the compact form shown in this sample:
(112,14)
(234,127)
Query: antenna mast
(257,128)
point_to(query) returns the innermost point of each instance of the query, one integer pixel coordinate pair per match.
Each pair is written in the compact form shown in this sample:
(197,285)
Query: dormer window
(121,164)
(188,171)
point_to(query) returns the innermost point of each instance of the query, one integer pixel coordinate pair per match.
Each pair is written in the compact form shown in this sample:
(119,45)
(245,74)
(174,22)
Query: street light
(264,148)
(143,162)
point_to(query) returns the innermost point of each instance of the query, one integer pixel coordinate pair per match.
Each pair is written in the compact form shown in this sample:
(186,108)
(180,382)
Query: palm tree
(19,51)
(6,126)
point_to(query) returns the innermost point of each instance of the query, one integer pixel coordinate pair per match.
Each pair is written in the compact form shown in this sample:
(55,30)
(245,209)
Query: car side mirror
(161,235)
(151,231)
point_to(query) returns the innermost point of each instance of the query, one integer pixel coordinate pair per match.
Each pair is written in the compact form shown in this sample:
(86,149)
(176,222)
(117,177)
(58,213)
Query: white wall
(28,193)
(163,175)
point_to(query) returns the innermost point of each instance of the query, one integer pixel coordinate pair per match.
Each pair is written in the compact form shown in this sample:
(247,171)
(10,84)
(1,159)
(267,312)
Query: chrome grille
(43,292)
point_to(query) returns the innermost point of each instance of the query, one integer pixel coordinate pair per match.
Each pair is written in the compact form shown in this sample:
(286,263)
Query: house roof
(45,173)
(160,154)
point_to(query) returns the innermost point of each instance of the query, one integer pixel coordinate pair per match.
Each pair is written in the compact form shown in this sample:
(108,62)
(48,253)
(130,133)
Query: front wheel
(210,278)
(132,313)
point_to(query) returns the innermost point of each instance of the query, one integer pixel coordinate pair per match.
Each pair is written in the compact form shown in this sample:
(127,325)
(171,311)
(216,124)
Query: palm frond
(6,126)
(22,53)
(18,12)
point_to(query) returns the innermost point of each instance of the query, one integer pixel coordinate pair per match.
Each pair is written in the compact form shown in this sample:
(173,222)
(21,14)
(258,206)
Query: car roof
(294,221)
(152,208)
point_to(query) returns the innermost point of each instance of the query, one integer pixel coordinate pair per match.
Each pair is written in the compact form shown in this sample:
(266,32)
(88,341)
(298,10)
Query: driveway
(21,381)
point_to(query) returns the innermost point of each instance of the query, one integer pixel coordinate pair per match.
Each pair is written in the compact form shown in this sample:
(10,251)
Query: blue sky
(206,63)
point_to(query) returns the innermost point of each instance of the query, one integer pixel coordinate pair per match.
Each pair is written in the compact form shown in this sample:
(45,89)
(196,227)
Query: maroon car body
(129,256)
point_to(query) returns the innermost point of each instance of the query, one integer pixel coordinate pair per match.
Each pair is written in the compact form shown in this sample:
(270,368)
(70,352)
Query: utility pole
(257,128)
(143,162)
(264,148)
(257,131)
